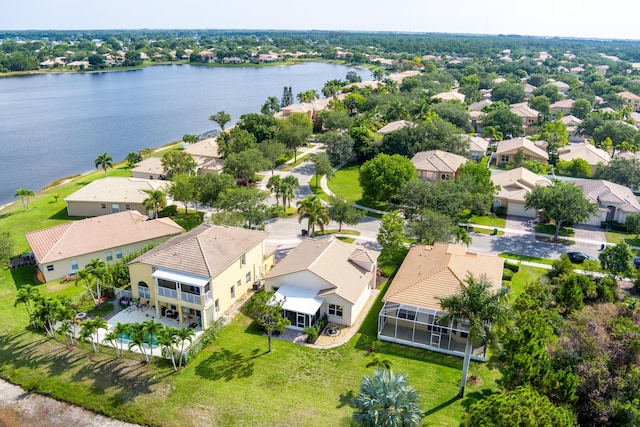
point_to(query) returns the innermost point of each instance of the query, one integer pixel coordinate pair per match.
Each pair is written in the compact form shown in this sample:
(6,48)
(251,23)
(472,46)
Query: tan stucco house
(631,99)
(615,202)
(528,115)
(411,307)
(515,184)
(64,249)
(111,195)
(594,156)
(436,165)
(196,277)
(508,148)
(394,126)
(321,277)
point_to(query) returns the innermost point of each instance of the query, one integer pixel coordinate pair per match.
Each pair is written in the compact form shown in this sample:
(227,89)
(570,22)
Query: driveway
(589,235)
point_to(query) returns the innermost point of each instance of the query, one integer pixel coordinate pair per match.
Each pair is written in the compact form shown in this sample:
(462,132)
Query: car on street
(578,257)
(636,261)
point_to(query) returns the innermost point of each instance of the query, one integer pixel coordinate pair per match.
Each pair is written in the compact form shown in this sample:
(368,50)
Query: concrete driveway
(591,236)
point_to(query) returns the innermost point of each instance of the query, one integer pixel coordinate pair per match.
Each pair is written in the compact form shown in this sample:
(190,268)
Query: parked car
(636,261)
(578,257)
(245,183)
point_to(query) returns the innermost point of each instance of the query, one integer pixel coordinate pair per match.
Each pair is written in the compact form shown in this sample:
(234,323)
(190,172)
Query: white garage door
(518,209)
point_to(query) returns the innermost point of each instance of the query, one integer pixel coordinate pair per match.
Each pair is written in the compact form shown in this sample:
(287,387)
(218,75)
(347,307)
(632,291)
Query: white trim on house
(300,300)
(187,279)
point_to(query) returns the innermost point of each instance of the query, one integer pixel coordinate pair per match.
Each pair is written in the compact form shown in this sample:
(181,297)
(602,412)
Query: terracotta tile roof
(523,110)
(438,161)
(606,192)
(205,251)
(117,189)
(509,145)
(563,103)
(347,269)
(97,234)
(586,151)
(429,272)
(628,95)
(477,143)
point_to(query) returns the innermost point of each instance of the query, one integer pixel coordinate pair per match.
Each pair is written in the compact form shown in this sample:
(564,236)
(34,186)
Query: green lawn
(519,257)
(523,277)
(232,382)
(492,221)
(551,229)
(345,184)
(617,237)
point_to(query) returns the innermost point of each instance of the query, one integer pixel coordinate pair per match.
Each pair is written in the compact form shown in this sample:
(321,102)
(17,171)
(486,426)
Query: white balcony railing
(192,298)
(166,292)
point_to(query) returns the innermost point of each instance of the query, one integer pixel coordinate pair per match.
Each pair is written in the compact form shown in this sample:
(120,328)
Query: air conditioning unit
(257,285)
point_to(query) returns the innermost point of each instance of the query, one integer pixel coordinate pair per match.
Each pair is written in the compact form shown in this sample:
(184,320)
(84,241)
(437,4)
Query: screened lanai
(419,327)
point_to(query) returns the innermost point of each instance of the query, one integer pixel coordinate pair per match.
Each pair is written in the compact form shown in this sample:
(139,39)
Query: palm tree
(183,335)
(168,339)
(97,269)
(379,363)
(86,333)
(84,277)
(274,184)
(98,323)
(46,313)
(121,330)
(493,133)
(221,118)
(67,329)
(27,295)
(386,399)
(138,339)
(155,201)
(104,161)
(152,329)
(288,189)
(312,209)
(479,308)
(24,195)
(112,338)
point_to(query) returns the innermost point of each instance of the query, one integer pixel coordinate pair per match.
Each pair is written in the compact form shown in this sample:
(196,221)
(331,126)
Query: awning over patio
(174,276)
(299,299)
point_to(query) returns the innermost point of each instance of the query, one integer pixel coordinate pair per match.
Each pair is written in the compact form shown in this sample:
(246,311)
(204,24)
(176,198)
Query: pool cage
(419,327)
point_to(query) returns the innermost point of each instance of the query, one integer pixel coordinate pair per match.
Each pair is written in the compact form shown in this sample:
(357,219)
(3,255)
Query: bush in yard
(507,274)
(513,267)
(169,211)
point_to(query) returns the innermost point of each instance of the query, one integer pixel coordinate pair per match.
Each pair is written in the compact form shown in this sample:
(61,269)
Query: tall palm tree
(84,277)
(24,195)
(221,118)
(104,161)
(479,308)
(386,399)
(112,338)
(121,330)
(137,338)
(97,269)
(274,184)
(46,313)
(86,333)
(67,329)
(184,335)
(168,339)
(288,190)
(152,330)
(155,201)
(98,323)
(27,295)
(312,209)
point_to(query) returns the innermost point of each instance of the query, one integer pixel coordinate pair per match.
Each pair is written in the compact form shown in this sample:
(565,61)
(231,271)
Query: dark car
(245,183)
(578,257)
(636,261)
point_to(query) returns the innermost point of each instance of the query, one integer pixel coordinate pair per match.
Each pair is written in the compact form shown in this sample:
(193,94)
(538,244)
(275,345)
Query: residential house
(205,154)
(477,146)
(594,156)
(450,96)
(515,184)
(232,60)
(508,148)
(528,90)
(78,65)
(615,202)
(478,106)
(635,116)
(196,277)
(111,195)
(64,249)
(310,109)
(631,99)
(412,307)
(208,56)
(321,277)
(149,168)
(572,123)
(576,70)
(563,106)
(393,126)
(436,165)
(529,115)
(562,86)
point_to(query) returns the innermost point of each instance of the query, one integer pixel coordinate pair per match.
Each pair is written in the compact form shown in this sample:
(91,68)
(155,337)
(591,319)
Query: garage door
(518,209)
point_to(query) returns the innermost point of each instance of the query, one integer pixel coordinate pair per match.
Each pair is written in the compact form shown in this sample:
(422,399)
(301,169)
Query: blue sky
(567,18)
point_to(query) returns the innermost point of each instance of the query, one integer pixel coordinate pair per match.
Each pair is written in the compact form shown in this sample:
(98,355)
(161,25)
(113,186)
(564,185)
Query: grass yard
(345,184)
(518,257)
(232,382)
(617,237)
(492,221)
(551,229)
(522,278)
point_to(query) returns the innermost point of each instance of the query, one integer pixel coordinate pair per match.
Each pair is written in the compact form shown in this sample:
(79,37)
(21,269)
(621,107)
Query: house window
(233,292)
(247,278)
(216,304)
(243,259)
(50,267)
(335,310)
(127,207)
(119,253)
(74,265)
(109,256)
(239,283)
(115,208)
(504,158)
(103,206)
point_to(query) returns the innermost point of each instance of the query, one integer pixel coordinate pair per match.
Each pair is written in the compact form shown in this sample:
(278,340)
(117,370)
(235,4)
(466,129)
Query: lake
(55,125)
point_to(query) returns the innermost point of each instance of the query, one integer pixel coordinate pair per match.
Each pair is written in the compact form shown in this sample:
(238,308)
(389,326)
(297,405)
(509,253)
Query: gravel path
(19,408)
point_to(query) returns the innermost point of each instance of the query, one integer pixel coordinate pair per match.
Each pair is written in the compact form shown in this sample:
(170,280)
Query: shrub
(312,334)
(500,211)
(513,267)
(170,210)
(604,225)
(616,226)
(507,275)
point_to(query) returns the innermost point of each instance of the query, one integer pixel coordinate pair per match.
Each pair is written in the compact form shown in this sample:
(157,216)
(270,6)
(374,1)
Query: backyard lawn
(232,382)
(345,184)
